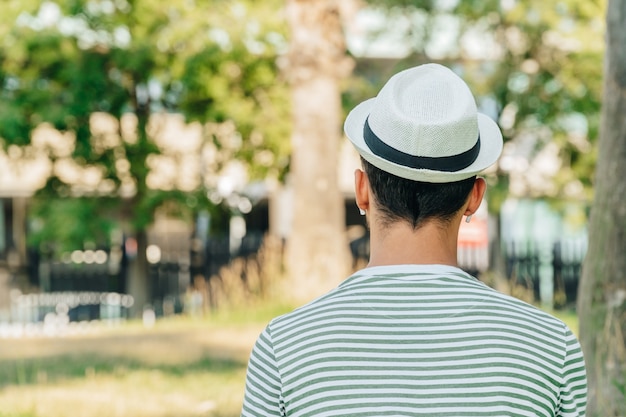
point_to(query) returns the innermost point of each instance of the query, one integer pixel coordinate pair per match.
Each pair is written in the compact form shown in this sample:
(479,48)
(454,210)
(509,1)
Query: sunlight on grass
(181,367)
(131,392)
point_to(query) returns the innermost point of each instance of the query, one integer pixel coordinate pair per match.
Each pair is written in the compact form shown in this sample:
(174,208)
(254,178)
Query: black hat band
(450,163)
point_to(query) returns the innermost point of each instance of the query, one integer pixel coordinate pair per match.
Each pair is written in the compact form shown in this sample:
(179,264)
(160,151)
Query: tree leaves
(63,62)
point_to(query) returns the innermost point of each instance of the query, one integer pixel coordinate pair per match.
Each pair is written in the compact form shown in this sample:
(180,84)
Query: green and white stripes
(415,341)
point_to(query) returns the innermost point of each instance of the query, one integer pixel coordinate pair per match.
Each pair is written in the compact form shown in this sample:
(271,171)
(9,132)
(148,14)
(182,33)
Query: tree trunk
(602,292)
(138,284)
(317,249)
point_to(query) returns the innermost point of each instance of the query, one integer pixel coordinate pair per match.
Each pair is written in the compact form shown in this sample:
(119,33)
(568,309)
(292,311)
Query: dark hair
(413,201)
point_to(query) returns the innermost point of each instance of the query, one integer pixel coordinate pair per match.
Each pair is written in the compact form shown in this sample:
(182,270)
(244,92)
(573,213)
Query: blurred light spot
(153,253)
(77,257)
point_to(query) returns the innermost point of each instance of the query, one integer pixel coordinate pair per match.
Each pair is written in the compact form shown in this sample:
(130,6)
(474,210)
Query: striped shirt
(415,340)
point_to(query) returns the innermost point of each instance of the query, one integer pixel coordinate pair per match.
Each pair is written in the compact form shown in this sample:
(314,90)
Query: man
(412,334)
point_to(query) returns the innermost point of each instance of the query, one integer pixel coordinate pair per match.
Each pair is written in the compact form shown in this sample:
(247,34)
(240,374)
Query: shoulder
(310,317)
(531,313)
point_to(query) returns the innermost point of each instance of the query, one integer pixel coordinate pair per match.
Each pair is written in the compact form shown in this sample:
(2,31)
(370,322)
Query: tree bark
(138,284)
(317,249)
(602,291)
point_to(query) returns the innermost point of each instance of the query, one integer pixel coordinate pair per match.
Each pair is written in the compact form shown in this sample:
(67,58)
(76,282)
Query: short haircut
(400,199)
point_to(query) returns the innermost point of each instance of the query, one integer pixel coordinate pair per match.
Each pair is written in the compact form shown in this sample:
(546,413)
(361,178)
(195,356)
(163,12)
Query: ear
(476,196)
(361,189)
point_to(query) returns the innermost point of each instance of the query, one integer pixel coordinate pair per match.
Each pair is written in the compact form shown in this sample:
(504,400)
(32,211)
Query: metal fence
(524,261)
(95,277)
(91,285)
(69,306)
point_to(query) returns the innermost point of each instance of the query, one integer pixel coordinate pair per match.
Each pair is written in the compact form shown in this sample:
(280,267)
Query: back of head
(414,202)
(422,142)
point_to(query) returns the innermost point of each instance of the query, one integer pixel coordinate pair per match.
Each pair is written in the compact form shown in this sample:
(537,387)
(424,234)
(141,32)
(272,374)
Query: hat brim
(490,149)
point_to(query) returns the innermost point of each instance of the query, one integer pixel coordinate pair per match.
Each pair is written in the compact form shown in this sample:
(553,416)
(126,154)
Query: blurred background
(173,175)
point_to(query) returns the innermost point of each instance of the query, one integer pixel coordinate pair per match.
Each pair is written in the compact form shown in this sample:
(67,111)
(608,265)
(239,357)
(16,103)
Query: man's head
(415,202)
(423,142)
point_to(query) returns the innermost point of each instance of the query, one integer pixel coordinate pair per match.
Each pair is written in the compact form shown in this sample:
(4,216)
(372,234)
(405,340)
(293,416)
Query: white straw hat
(423,125)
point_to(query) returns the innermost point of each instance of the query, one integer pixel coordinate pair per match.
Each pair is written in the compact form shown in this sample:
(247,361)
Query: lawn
(181,367)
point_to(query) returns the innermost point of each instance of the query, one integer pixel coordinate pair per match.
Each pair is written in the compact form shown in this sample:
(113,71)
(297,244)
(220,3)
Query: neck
(399,244)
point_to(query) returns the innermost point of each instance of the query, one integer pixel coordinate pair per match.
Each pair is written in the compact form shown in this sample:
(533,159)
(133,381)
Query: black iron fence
(524,261)
(70,306)
(100,276)
(104,271)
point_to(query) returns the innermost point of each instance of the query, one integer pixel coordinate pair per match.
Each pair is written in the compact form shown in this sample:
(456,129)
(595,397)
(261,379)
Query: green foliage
(63,62)
(70,223)
(237,78)
(407,4)
(174,204)
(235,85)
(552,77)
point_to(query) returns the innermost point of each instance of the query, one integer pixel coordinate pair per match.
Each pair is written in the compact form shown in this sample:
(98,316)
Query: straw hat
(423,125)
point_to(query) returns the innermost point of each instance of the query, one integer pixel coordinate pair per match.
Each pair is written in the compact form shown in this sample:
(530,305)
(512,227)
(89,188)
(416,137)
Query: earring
(361,211)
(468,219)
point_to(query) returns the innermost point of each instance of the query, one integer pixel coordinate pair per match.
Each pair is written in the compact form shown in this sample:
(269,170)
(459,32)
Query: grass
(181,367)
(89,385)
